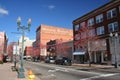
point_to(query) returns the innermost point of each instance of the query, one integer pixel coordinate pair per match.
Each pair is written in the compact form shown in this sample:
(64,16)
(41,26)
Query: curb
(92,66)
(101,68)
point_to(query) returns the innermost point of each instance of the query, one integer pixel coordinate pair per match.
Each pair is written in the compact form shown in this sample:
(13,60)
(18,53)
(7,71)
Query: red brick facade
(28,51)
(45,33)
(101,22)
(3,45)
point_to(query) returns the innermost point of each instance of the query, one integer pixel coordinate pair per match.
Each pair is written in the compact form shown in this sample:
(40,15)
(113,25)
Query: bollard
(31,76)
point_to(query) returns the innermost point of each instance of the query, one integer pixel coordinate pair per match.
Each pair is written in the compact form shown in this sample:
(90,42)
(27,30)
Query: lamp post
(23,28)
(115,37)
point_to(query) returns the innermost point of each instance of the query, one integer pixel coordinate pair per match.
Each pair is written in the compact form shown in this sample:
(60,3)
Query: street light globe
(111,34)
(19,20)
(29,21)
(116,34)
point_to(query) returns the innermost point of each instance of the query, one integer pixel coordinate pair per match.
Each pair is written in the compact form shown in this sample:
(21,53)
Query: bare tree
(86,36)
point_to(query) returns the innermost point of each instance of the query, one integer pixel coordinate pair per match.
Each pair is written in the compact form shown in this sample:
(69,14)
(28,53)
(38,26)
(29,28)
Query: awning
(79,53)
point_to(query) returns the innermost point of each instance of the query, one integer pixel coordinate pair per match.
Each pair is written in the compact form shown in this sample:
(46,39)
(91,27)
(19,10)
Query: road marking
(67,69)
(64,70)
(103,75)
(51,70)
(57,69)
(51,75)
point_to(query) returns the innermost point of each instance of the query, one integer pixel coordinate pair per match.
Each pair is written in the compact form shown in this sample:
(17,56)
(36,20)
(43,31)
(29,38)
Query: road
(58,72)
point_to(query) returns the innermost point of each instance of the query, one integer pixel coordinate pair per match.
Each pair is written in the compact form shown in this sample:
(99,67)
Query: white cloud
(51,6)
(3,11)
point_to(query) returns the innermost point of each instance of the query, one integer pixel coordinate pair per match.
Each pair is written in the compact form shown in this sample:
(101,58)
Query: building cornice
(97,11)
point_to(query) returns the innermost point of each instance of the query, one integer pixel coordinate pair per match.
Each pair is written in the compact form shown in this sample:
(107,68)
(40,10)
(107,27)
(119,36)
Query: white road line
(103,75)
(57,69)
(51,70)
(69,69)
(51,75)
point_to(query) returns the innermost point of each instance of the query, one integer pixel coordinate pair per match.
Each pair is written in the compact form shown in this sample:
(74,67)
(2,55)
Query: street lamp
(23,28)
(115,37)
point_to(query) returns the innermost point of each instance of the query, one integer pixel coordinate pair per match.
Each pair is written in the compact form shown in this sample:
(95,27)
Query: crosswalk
(99,76)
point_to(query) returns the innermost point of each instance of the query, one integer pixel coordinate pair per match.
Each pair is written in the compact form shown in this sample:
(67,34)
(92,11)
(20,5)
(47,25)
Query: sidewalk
(6,73)
(107,68)
(95,66)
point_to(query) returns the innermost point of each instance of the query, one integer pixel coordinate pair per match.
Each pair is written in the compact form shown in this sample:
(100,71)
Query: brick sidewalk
(6,73)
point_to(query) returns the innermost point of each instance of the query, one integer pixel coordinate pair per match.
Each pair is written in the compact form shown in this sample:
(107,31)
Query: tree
(62,48)
(85,37)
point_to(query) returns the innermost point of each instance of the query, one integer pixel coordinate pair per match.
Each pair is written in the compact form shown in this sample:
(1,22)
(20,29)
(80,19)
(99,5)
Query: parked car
(35,59)
(63,61)
(8,60)
(28,58)
(24,57)
(50,60)
(47,60)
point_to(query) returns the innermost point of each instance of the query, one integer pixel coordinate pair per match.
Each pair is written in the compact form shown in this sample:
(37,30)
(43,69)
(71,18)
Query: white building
(27,42)
(16,50)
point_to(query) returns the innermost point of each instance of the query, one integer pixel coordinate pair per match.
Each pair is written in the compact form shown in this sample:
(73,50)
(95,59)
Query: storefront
(98,52)
(79,57)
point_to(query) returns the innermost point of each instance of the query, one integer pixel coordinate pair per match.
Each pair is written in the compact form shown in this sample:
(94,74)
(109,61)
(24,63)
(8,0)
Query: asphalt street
(58,72)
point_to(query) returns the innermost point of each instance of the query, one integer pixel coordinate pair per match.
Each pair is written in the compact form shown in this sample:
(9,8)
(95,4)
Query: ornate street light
(23,28)
(115,37)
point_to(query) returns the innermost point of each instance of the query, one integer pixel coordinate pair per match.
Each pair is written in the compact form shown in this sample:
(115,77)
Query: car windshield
(65,58)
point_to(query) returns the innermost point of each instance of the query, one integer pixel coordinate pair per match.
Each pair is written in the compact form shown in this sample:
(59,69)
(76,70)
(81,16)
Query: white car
(52,61)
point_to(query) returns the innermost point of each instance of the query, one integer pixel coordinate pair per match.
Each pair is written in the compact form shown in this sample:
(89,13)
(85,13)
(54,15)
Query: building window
(112,27)
(77,27)
(82,24)
(91,22)
(83,35)
(92,32)
(111,13)
(99,18)
(77,36)
(100,30)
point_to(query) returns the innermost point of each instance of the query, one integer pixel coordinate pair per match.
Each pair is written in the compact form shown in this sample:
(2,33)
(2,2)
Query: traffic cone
(30,72)
(31,76)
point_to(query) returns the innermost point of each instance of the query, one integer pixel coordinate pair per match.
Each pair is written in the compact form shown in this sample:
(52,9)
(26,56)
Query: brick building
(3,45)
(27,42)
(56,48)
(100,22)
(11,51)
(28,51)
(45,33)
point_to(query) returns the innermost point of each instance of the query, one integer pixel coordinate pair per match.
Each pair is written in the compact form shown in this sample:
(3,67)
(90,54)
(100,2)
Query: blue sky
(58,13)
